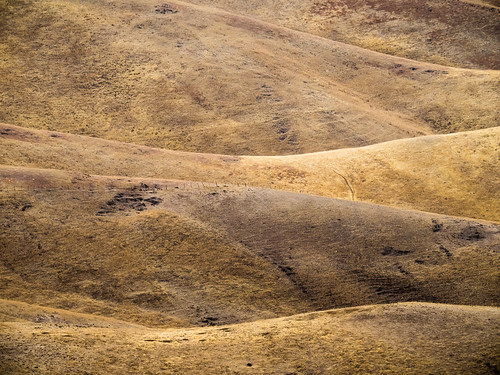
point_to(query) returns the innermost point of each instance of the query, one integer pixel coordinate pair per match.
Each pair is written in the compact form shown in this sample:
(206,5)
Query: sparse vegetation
(231,187)
(207,80)
(442,174)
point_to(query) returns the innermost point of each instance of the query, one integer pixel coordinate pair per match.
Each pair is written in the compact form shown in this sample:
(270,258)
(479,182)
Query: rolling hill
(449,174)
(239,187)
(198,78)
(162,252)
(408,338)
(460,33)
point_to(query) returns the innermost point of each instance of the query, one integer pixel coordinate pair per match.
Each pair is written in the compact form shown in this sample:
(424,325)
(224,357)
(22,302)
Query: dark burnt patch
(165,9)
(390,251)
(471,233)
(6,131)
(128,201)
(436,226)
(209,321)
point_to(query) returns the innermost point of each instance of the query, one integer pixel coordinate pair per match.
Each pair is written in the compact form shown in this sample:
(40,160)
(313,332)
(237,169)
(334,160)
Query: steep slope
(174,253)
(455,174)
(196,78)
(449,32)
(410,338)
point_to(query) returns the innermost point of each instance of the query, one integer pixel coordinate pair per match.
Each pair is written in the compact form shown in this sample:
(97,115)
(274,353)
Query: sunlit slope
(200,79)
(177,253)
(455,174)
(458,33)
(410,338)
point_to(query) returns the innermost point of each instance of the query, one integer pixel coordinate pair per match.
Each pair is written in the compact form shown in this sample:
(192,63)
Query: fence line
(150,189)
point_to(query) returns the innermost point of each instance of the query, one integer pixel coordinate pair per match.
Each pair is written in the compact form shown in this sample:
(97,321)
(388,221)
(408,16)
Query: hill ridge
(444,173)
(369,52)
(249,187)
(152,184)
(174,87)
(392,338)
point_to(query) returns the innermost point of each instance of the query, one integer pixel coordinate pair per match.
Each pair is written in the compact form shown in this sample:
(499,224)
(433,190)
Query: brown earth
(449,32)
(166,253)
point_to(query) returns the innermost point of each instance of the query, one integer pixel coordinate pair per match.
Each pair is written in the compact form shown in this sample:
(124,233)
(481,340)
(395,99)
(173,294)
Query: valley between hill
(240,187)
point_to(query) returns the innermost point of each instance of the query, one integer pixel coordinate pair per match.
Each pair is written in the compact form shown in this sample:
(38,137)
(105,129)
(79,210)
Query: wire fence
(190,186)
(153,187)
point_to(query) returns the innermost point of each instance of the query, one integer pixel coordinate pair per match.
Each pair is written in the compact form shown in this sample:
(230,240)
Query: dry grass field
(166,253)
(461,33)
(198,78)
(409,338)
(249,187)
(198,255)
(455,174)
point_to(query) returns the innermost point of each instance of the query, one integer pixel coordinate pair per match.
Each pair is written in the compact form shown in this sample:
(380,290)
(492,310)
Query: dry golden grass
(410,338)
(224,249)
(207,80)
(176,253)
(454,174)
(460,33)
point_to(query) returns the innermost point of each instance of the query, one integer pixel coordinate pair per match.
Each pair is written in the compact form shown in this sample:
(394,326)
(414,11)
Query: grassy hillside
(458,33)
(174,253)
(196,78)
(454,174)
(240,187)
(411,338)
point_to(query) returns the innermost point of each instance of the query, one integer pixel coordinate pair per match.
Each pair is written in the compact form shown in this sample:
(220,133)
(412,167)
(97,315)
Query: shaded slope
(458,33)
(175,253)
(157,268)
(454,174)
(406,338)
(124,71)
